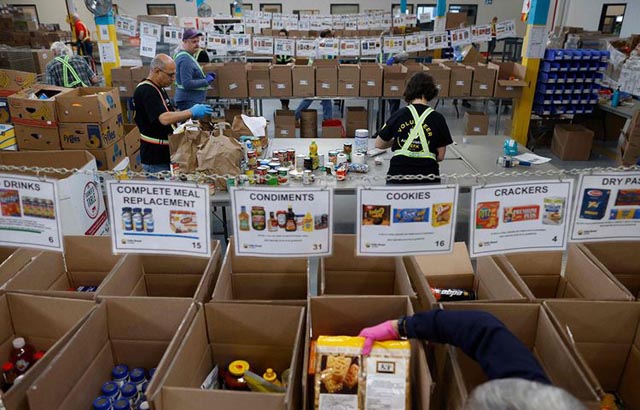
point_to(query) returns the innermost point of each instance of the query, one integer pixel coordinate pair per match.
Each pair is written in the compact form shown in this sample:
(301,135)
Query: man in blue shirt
(191,81)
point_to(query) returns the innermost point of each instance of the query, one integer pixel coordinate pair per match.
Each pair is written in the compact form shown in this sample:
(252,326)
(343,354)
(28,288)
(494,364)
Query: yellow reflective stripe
(416,132)
(65,69)
(197,64)
(156,141)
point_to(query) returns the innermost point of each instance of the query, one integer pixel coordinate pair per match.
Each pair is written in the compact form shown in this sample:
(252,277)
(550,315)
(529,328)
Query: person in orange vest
(83,35)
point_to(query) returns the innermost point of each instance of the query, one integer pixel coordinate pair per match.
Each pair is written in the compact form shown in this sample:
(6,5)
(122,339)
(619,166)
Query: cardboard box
(442,76)
(370,80)
(165,276)
(476,123)
(131,138)
(5,115)
(75,135)
(326,78)
(82,207)
(348,80)
(347,315)
(37,138)
(36,112)
(281,81)
(25,26)
(140,332)
(135,162)
(303,80)
(12,260)
(470,54)
(47,324)
(232,80)
(285,124)
(139,73)
(8,141)
(12,81)
(258,77)
(88,104)
(107,158)
(357,118)
(125,88)
(224,332)
(41,58)
(455,20)
(460,84)
(484,80)
(214,87)
(394,80)
(121,74)
(260,280)
(412,68)
(331,131)
(617,259)
(572,142)
(510,81)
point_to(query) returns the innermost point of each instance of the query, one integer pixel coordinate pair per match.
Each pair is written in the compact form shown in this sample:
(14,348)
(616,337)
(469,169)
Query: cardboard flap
(89,253)
(13,260)
(491,283)
(512,83)
(125,276)
(454,263)
(197,399)
(40,274)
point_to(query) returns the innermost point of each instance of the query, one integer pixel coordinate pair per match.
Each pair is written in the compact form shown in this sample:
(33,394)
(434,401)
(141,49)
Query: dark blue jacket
(483,338)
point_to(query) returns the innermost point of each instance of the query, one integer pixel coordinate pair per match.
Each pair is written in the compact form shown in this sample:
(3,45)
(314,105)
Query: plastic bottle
(307,222)
(233,378)
(291,225)
(313,154)
(137,377)
(102,403)
(127,219)
(361,142)
(147,220)
(243,219)
(152,371)
(121,405)
(138,225)
(111,390)
(120,374)
(615,98)
(144,405)
(273,222)
(8,375)
(21,355)
(271,376)
(129,392)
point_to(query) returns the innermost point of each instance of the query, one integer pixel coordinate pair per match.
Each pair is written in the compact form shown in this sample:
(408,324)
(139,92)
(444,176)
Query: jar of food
(234,376)
(258,218)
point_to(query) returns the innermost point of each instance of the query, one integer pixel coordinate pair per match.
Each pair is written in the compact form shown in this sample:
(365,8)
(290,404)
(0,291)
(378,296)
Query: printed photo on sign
(460,36)
(29,213)
(406,221)
(151,30)
(415,42)
(505,29)
(370,46)
(127,26)
(306,48)
(437,41)
(284,46)
(393,44)
(350,47)
(481,34)
(240,42)
(329,46)
(159,217)
(263,45)
(518,217)
(217,41)
(282,222)
(607,207)
(172,35)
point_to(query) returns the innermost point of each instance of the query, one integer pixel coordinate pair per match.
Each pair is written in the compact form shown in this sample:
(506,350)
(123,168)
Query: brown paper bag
(183,148)
(220,155)
(240,129)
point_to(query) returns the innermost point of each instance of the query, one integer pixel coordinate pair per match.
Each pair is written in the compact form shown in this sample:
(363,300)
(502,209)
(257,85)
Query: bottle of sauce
(291,224)
(234,377)
(271,376)
(273,222)
(281,215)
(21,355)
(8,375)
(243,219)
(307,222)
(313,154)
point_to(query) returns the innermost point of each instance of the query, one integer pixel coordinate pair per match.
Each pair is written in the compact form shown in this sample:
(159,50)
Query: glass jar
(258,218)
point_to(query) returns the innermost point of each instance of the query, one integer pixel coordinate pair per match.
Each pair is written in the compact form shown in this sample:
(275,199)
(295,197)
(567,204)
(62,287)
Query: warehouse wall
(586,13)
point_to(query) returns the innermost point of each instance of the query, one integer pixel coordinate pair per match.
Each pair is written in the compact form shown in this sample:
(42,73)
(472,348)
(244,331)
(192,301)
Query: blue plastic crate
(553,54)
(575,99)
(568,89)
(559,89)
(562,78)
(549,66)
(604,55)
(558,109)
(545,88)
(576,54)
(549,78)
(588,109)
(579,109)
(571,78)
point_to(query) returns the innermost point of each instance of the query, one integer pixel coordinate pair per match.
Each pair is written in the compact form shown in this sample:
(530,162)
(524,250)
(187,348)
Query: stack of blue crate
(569,80)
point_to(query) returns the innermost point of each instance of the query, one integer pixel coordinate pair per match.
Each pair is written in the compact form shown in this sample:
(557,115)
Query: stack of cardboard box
(370,80)
(125,79)
(132,146)
(258,79)
(285,123)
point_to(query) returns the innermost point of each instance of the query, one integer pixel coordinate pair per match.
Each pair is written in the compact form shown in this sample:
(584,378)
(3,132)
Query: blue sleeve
(185,69)
(483,338)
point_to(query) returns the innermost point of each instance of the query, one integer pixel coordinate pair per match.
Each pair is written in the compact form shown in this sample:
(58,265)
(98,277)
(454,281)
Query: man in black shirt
(155,115)
(417,135)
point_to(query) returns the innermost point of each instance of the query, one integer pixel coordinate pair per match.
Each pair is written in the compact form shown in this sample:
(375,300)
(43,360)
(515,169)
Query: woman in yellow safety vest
(417,135)
(67,70)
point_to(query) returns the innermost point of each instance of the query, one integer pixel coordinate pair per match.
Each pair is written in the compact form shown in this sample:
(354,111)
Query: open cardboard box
(442,77)
(347,316)
(265,336)
(35,111)
(539,276)
(326,78)
(12,260)
(510,81)
(532,325)
(88,104)
(258,79)
(46,323)
(87,261)
(619,259)
(165,276)
(605,339)
(261,280)
(134,331)
(395,77)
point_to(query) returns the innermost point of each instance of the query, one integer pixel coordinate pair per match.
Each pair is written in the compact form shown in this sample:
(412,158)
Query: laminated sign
(415,42)
(329,46)
(406,221)
(217,41)
(151,29)
(263,45)
(172,35)
(520,216)
(159,217)
(437,40)
(240,42)
(481,34)
(306,48)
(371,46)
(29,213)
(148,46)
(607,207)
(350,47)
(127,26)
(460,37)
(284,46)
(282,222)
(505,29)
(393,44)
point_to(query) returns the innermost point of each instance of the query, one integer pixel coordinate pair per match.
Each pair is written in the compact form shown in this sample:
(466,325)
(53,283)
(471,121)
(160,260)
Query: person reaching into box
(67,70)
(191,81)
(417,134)
(516,379)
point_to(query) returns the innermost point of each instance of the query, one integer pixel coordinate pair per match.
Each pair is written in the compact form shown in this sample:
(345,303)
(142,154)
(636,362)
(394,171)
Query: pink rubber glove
(378,333)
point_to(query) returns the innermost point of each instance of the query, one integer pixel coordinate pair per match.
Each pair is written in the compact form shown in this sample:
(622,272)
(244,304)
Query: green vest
(417,132)
(197,64)
(66,69)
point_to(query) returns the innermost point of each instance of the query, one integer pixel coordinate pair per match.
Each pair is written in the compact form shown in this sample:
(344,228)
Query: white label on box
(325,85)
(607,207)
(509,88)
(520,216)
(159,217)
(281,86)
(123,88)
(233,86)
(30,213)
(406,221)
(394,88)
(284,132)
(259,86)
(304,82)
(371,83)
(476,129)
(460,83)
(484,87)
(306,213)
(349,86)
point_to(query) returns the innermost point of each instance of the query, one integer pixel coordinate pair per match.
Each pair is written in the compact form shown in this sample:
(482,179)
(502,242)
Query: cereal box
(487,215)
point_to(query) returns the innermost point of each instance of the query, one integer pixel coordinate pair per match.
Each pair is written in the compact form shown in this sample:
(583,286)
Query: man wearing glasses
(155,115)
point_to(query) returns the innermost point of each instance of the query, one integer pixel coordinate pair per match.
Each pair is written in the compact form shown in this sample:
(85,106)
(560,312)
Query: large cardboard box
(165,276)
(348,315)
(303,80)
(258,78)
(214,86)
(139,332)
(510,81)
(107,158)
(442,77)
(12,260)
(82,207)
(87,261)
(121,74)
(455,20)
(88,104)
(41,58)
(370,80)
(33,138)
(265,336)
(135,162)
(46,323)
(394,80)
(75,135)
(619,259)
(139,73)
(285,123)
(332,131)
(12,81)
(36,111)
(8,141)
(261,280)
(476,123)
(232,80)
(484,80)
(461,78)
(348,80)
(326,78)
(126,88)
(281,81)
(131,138)
(357,118)
(572,142)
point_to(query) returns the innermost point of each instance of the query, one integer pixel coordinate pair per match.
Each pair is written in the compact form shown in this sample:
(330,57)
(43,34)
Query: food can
(308,164)
(291,156)
(300,162)
(282,156)
(346,149)
(264,162)
(333,156)
(261,173)
(257,145)
(252,158)
(274,165)
(283,176)
(272,177)
(251,175)
(307,178)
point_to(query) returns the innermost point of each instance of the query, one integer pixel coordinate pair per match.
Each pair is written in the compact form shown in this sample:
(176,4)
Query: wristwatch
(402,327)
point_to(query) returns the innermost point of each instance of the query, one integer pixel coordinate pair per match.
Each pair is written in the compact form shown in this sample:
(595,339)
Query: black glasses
(169,74)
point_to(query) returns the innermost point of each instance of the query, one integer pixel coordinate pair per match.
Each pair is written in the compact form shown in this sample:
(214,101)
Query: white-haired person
(68,70)
(516,379)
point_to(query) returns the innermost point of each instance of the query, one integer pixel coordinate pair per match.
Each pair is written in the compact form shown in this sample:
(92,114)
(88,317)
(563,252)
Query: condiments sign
(29,213)
(159,217)
(519,217)
(283,222)
(406,221)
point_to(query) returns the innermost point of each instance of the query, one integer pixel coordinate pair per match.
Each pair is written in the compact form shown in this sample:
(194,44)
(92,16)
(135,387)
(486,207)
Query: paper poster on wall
(159,217)
(460,37)
(284,46)
(265,22)
(29,213)
(127,26)
(103,32)
(536,42)
(371,46)
(400,20)
(107,52)
(306,48)
(351,25)
(217,41)
(304,25)
(263,45)
(505,29)
(393,44)
(520,217)
(148,46)
(189,22)
(151,30)
(240,42)
(406,221)
(437,40)
(172,35)
(328,46)
(350,47)
(291,24)
(481,34)
(204,22)
(411,19)
(607,207)
(415,42)
(425,17)
(277,24)
(338,23)
(283,222)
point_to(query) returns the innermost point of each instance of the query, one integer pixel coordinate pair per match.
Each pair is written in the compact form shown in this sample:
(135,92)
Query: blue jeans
(153,168)
(327,108)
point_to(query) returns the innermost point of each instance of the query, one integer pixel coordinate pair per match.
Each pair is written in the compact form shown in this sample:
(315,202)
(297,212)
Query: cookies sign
(406,221)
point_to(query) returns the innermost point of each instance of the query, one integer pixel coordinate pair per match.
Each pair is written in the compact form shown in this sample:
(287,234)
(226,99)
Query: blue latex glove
(210,77)
(391,60)
(200,110)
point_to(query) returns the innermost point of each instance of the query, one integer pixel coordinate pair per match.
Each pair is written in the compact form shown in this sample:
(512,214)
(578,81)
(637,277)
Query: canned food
(257,145)
(261,173)
(283,176)
(282,156)
(274,165)
(291,156)
(272,177)
(300,163)
(251,176)
(346,149)
(264,162)
(307,177)
(308,164)
(333,156)
(252,158)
